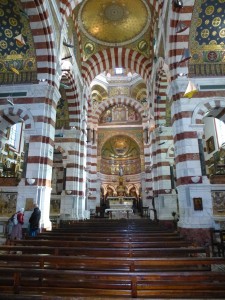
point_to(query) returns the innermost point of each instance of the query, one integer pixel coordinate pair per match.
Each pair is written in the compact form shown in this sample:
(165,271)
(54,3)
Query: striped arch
(23,114)
(160,94)
(204,107)
(46,58)
(178,41)
(67,6)
(114,57)
(72,98)
(5,119)
(61,150)
(118,100)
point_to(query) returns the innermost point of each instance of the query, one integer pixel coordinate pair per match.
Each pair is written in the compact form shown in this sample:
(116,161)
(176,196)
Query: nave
(110,259)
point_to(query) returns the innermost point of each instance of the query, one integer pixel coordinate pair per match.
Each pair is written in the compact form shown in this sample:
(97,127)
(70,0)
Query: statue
(120,171)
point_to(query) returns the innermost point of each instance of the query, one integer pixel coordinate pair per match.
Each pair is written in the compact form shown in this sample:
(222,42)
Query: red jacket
(20,218)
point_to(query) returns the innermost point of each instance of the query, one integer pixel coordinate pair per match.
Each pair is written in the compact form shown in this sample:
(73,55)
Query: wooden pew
(79,283)
(112,234)
(128,263)
(103,244)
(107,252)
(108,238)
(109,263)
(115,225)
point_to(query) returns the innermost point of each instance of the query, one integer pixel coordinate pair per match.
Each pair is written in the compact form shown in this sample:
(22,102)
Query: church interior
(114,109)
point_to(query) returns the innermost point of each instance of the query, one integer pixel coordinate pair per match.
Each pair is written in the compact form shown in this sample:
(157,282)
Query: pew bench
(109,263)
(102,244)
(107,252)
(108,238)
(80,283)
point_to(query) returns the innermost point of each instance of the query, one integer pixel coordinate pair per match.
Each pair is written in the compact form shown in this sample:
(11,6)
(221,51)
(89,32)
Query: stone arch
(112,58)
(204,107)
(22,113)
(39,18)
(67,6)
(61,150)
(111,187)
(131,186)
(71,93)
(119,100)
(177,41)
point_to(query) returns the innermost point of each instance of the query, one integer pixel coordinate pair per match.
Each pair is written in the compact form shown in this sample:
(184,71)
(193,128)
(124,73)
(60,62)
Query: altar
(120,207)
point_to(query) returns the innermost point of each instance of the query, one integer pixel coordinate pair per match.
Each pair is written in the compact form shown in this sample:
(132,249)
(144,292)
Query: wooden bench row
(108,238)
(103,244)
(116,225)
(80,283)
(107,252)
(111,234)
(110,263)
(110,260)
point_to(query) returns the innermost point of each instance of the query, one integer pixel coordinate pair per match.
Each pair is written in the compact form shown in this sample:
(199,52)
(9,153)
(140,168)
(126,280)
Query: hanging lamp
(191,90)
(181,27)
(185,56)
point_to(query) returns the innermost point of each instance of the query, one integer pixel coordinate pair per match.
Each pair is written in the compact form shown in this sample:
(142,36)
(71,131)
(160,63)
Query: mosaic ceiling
(112,23)
(207,39)
(120,146)
(120,151)
(17,53)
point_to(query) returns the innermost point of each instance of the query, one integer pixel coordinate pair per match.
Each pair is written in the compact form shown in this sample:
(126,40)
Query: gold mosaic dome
(110,22)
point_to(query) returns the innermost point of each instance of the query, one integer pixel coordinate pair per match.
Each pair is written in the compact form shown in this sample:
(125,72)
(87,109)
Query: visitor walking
(34,221)
(18,221)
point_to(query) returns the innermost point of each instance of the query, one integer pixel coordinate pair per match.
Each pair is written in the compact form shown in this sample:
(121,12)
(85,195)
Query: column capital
(199,128)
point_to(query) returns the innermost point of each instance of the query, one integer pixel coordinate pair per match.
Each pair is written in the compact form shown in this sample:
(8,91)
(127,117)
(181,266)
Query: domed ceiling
(113,21)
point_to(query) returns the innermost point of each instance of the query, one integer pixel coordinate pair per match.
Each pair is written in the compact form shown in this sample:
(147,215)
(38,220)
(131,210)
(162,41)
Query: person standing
(34,221)
(18,221)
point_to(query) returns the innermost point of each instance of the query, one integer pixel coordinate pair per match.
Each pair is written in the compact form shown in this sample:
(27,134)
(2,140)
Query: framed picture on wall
(197,203)
(210,144)
(29,204)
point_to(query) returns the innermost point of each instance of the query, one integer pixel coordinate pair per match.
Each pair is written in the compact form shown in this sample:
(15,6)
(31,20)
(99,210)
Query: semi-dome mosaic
(120,147)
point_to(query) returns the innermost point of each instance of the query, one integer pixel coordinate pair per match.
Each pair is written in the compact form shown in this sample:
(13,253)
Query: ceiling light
(191,90)
(178,3)
(185,56)
(68,45)
(10,100)
(180,27)
(67,57)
